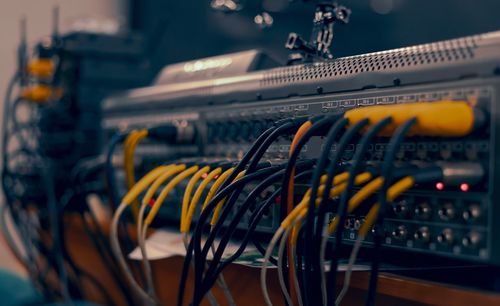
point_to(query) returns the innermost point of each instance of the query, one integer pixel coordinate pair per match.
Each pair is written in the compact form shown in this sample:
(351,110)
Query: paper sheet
(165,243)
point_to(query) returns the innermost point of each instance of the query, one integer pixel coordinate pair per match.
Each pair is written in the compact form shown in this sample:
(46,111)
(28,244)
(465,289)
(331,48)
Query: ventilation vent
(427,54)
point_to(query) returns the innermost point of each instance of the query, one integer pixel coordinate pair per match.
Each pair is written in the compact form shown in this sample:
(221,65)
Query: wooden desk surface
(245,287)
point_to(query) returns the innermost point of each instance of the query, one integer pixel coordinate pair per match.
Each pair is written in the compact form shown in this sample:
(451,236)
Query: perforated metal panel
(449,60)
(428,54)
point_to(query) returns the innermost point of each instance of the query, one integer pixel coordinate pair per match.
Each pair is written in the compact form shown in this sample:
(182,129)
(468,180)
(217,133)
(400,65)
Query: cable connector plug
(456,173)
(166,133)
(173,133)
(439,118)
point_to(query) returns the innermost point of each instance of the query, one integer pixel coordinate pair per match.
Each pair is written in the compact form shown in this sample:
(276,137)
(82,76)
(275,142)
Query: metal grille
(427,54)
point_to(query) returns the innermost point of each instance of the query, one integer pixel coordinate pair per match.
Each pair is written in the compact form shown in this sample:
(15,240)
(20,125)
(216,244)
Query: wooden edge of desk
(425,292)
(246,279)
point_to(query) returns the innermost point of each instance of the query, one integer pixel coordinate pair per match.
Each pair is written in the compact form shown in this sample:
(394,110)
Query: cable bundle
(305,228)
(30,175)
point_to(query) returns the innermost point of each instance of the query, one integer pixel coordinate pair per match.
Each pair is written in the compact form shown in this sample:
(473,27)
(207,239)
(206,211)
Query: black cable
(110,171)
(248,155)
(54,257)
(33,269)
(55,226)
(238,168)
(318,172)
(258,149)
(5,138)
(258,153)
(47,253)
(79,273)
(34,276)
(205,215)
(102,247)
(200,255)
(47,182)
(6,114)
(355,169)
(41,248)
(74,283)
(231,228)
(98,247)
(345,140)
(281,130)
(262,249)
(242,210)
(259,212)
(314,129)
(114,197)
(87,167)
(298,267)
(318,124)
(83,189)
(5,171)
(80,174)
(254,221)
(285,128)
(96,237)
(386,173)
(321,165)
(256,156)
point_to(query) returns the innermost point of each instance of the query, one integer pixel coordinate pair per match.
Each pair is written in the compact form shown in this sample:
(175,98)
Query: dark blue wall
(187,29)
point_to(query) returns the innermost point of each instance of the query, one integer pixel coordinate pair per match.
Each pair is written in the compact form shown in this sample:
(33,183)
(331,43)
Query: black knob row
(236,131)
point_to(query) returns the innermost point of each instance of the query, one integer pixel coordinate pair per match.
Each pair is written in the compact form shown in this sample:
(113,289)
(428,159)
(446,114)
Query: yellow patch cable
(186,199)
(218,182)
(186,223)
(218,209)
(166,191)
(459,121)
(130,144)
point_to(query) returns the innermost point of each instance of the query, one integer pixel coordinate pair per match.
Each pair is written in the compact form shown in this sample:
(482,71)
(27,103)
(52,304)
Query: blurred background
(183,30)
(175,31)
(188,29)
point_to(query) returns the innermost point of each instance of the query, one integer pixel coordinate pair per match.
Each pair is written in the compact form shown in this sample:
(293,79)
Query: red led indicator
(440,186)
(204,176)
(152,202)
(464,187)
